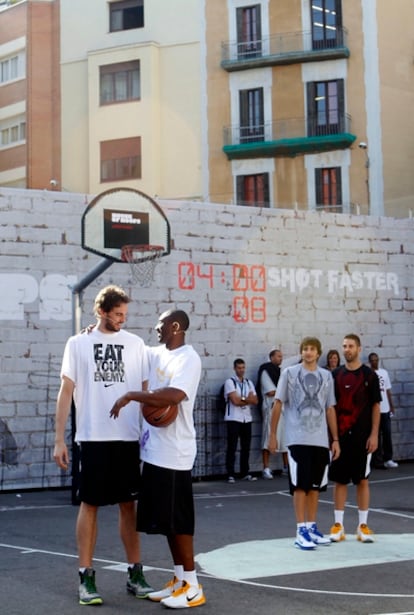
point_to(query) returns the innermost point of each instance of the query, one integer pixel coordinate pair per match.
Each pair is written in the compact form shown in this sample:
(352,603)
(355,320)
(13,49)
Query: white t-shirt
(267,385)
(241,414)
(306,396)
(385,385)
(174,446)
(103,367)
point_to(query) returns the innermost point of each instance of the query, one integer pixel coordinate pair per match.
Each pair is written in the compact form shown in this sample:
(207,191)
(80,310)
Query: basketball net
(142,260)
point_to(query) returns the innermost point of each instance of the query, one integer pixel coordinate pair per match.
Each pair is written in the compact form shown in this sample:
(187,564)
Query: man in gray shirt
(307,394)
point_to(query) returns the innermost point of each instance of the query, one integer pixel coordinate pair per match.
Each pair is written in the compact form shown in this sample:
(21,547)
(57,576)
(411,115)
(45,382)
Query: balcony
(287,138)
(287,48)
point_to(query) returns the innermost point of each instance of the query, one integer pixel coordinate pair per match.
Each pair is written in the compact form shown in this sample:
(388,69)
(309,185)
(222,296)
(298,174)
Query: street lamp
(364,146)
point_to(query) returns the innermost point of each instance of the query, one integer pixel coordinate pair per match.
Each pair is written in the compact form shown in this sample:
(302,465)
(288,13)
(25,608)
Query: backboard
(120,217)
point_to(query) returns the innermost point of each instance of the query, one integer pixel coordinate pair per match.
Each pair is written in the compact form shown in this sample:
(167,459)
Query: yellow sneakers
(364,534)
(337,532)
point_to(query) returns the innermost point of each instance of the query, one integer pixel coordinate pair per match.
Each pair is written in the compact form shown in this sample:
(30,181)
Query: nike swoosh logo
(191,598)
(109,385)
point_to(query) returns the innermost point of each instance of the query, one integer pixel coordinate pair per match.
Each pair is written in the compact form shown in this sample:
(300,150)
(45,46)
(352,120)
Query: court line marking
(120,566)
(214,496)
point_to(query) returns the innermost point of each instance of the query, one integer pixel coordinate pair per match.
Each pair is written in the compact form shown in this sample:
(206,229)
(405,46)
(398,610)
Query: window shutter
(341,105)
(266,192)
(338,186)
(310,97)
(239,189)
(318,186)
(258,15)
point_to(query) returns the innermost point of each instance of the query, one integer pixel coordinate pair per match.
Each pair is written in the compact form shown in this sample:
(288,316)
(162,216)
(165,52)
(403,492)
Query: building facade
(130,74)
(309,104)
(29,94)
(303,104)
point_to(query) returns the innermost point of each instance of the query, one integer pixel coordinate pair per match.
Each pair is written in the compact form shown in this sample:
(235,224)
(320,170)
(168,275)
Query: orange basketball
(160,417)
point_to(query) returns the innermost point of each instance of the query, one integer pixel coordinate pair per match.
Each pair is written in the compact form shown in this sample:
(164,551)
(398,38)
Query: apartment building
(310,104)
(131,108)
(29,94)
(302,104)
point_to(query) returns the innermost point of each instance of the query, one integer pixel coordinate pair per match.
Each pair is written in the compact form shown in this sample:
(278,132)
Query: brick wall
(250,279)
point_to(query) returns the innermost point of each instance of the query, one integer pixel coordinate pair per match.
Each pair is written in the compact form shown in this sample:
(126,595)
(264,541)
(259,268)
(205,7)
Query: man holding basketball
(96,369)
(168,454)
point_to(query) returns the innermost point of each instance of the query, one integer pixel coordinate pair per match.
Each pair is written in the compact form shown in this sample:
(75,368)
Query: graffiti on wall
(53,293)
(249,283)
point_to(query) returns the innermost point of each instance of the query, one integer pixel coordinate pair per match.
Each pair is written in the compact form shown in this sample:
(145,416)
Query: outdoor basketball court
(244,550)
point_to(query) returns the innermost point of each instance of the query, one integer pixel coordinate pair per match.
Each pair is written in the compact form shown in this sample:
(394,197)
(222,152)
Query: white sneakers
(390,464)
(337,532)
(184,597)
(317,537)
(364,534)
(267,473)
(168,589)
(303,540)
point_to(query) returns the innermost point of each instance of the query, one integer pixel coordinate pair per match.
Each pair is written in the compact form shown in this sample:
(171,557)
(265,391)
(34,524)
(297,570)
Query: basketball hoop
(142,260)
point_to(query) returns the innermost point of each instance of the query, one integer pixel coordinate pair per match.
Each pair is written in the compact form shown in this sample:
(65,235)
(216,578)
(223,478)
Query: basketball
(160,417)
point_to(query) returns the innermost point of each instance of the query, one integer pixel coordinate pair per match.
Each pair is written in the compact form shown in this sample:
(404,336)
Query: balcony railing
(287,137)
(286,48)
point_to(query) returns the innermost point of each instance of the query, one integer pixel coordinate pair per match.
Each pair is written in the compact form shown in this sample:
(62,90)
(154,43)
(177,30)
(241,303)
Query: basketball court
(244,551)
(244,532)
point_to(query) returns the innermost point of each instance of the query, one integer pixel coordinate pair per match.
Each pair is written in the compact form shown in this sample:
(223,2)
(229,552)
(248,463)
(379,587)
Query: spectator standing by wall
(267,379)
(333,360)
(240,394)
(387,410)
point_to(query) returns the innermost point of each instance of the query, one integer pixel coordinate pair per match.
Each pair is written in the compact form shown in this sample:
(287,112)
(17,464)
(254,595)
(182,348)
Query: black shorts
(308,467)
(354,463)
(109,472)
(166,504)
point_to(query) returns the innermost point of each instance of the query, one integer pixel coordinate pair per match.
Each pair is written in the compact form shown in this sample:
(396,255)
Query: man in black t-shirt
(358,397)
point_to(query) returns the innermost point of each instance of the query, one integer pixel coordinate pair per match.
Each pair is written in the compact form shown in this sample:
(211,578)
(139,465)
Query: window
(119,82)
(5,71)
(249,32)
(326,16)
(328,189)
(326,108)
(251,115)
(13,134)
(12,68)
(126,15)
(253,190)
(121,159)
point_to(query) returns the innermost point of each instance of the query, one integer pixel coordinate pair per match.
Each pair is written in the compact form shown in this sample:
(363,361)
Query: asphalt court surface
(244,550)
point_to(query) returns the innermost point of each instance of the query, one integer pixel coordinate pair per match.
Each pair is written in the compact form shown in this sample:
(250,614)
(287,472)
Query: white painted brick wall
(307,259)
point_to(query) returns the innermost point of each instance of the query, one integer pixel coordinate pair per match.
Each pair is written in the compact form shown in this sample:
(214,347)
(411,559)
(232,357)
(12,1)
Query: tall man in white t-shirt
(96,369)
(386,411)
(168,454)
